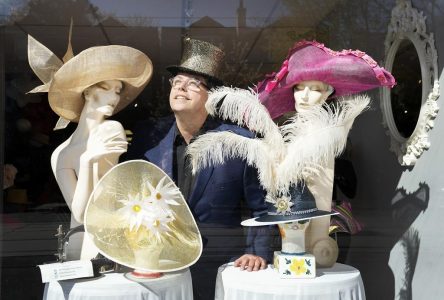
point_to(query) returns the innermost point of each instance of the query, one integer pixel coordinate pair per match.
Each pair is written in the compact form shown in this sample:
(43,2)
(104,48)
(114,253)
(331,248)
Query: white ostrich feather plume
(282,155)
(244,108)
(214,148)
(317,136)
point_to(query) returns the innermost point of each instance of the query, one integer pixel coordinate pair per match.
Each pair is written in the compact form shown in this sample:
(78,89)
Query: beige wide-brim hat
(92,66)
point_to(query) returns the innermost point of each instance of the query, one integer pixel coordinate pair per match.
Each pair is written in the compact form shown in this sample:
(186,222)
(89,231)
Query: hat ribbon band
(300,212)
(278,77)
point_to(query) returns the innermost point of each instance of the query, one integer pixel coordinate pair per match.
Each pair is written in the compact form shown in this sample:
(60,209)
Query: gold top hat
(200,58)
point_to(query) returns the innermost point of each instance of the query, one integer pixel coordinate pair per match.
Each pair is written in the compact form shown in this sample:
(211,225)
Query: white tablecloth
(341,282)
(115,286)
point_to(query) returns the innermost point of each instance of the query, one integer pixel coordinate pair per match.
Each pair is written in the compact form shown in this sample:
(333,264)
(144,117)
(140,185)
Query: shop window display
(255,38)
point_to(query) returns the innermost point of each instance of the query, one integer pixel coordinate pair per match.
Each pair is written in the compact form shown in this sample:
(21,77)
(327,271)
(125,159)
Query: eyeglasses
(191,84)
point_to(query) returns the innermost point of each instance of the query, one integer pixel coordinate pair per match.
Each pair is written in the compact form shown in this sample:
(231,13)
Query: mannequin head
(104,96)
(310,92)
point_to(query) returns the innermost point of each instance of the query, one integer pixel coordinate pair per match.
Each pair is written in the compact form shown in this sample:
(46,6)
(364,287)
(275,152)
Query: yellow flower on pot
(298,266)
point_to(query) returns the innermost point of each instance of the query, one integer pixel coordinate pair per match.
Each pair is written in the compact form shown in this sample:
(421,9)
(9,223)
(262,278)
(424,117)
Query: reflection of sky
(174,12)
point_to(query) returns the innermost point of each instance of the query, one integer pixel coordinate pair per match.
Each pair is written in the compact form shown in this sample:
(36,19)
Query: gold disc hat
(66,82)
(200,58)
(137,217)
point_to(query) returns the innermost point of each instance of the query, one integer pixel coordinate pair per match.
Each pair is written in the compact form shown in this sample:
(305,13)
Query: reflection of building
(241,15)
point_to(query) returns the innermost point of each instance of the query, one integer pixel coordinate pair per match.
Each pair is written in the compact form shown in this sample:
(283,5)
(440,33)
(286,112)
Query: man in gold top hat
(215,193)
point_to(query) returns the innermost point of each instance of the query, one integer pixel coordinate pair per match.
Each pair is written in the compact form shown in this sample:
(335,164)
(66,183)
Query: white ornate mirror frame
(409,23)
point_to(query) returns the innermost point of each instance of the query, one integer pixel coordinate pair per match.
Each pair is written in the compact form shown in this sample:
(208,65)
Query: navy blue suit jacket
(215,200)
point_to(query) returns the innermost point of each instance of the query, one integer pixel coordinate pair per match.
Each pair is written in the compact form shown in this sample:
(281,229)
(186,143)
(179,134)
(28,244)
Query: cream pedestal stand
(324,248)
(148,256)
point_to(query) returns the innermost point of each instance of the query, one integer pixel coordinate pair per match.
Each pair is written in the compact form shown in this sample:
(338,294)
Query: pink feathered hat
(347,71)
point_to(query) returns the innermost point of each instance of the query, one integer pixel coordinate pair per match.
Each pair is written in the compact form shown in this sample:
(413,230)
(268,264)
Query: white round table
(116,286)
(341,282)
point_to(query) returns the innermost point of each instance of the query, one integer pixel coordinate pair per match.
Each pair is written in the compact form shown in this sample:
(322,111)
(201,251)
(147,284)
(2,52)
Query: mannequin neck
(89,120)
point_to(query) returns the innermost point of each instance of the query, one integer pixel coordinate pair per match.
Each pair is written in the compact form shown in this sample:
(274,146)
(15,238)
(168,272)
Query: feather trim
(244,108)
(284,156)
(317,136)
(215,148)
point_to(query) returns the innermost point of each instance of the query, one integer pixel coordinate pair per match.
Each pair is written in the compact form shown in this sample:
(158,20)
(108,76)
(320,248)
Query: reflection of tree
(338,23)
(283,39)
(237,71)
(302,22)
(7,7)
(58,12)
(410,241)
(350,20)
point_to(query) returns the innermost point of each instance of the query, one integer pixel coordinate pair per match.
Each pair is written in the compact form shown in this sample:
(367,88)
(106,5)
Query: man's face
(188,94)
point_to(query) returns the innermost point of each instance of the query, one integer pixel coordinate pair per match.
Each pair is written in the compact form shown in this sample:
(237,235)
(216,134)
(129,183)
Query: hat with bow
(65,81)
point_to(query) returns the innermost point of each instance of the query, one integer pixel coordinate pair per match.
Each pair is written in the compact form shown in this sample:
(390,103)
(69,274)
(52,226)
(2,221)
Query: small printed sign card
(66,270)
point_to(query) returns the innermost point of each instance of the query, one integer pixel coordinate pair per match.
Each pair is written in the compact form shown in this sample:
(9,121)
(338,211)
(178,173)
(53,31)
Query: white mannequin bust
(293,236)
(93,148)
(325,249)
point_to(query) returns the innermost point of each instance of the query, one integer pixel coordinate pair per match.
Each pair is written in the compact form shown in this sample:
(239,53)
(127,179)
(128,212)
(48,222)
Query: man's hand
(250,263)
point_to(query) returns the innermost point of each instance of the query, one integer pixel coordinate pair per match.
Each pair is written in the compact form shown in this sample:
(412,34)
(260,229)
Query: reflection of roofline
(206,22)
(112,22)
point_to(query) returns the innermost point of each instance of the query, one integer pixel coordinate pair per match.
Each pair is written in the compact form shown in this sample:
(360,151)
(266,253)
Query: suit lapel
(201,183)
(162,154)
(203,177)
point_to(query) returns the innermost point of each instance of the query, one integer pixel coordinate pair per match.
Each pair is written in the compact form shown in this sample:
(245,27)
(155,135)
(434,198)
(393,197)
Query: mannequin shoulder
(111,125)
(111,128)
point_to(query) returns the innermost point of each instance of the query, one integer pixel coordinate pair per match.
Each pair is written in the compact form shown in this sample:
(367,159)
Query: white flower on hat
(283,205)
(164,194)
(133,211)
(152,212)
(158,224)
